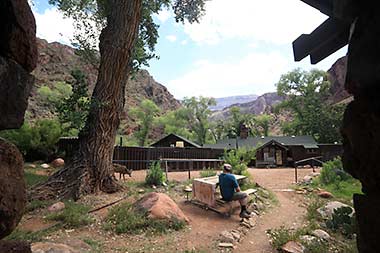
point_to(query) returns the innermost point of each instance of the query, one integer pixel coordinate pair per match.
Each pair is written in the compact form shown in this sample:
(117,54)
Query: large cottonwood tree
(127,39)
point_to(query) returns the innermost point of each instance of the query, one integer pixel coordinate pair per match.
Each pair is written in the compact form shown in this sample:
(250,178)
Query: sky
(239,47)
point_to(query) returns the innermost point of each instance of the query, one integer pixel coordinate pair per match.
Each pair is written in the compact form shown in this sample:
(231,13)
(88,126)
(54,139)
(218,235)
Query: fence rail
(139,158)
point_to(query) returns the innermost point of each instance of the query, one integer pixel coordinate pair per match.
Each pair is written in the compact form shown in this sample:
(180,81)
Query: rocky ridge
(55,63)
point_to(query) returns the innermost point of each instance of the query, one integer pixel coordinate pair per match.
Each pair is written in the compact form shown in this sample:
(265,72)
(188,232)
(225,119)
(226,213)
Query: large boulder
(12,187)
(18,33)
(327,210)
(15,86)
(59,162)
(160,206)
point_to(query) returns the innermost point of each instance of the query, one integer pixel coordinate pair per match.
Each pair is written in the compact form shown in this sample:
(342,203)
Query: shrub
(124,219)
(73,215)
(342,221)
(239,159)
(280,236)
(332,172)
(207,173)
(155,175)
(35,141)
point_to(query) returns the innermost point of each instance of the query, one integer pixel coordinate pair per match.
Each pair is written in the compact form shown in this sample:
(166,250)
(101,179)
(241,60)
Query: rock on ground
(56,207)
(45,166)
(293,247)
(160,206)
(48,247)
(12,187)
(325,194)
(321,234)
(59,162)
(227,237)
(14,247)
(327,210)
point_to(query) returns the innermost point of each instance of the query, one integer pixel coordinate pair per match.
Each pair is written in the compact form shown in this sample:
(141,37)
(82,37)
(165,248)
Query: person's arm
(236,185)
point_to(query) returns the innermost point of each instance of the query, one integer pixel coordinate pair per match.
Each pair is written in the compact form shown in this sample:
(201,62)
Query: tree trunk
(91,170)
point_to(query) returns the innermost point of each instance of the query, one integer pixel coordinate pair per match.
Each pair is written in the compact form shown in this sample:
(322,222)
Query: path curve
(289,211)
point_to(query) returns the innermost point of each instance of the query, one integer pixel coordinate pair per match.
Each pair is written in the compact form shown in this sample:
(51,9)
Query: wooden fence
(139,158)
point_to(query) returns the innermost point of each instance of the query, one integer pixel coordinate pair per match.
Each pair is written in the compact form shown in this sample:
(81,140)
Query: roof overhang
(326,39)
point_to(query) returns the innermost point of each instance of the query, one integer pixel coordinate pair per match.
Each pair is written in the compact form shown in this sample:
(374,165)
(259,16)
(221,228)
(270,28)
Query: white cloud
(255,74)
(53,26)
(163,15)
(171,38)
(274,21)
(183,42)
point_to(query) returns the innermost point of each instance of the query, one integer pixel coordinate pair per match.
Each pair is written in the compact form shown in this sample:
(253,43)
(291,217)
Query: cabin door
(278,157)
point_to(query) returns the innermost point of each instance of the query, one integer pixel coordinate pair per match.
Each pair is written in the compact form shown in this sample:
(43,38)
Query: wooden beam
(327,38)
(324,6)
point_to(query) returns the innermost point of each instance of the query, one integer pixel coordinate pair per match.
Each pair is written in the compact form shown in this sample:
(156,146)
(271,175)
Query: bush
(155,175)
(207,173)
(342,221)
(124,219)
(74,215)
(239,159)
(332,172)
(35,141)
(280,236)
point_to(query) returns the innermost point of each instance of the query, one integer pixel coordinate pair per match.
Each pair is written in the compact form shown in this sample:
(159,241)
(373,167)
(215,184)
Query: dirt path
(288,213)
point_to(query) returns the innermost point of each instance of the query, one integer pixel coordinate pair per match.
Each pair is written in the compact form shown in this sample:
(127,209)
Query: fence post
(166,171)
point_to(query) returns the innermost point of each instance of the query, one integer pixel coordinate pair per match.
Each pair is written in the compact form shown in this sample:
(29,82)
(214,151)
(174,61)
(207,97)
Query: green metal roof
(305,140)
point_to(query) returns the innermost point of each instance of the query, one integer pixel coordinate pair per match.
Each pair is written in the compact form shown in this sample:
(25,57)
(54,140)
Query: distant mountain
(262,104)
(224,102)
(337,76)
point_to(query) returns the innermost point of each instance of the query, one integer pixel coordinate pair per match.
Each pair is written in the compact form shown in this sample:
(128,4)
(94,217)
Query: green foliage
(33,179)
(29,236)
(144,115)
(73,110)
(52,96)
(316,246)
(332,172)
(125,219)
(176,122)
(306,94)
(343,222)
(73,215)
(312,214)
(37,204)
(96,246)
(282,235)
(239,159)
(155,175)
(207,173)
(35,141)
(197,113)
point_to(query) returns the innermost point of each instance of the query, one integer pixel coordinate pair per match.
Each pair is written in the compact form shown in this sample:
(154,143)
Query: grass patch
(74,215)
(33,179)
(124,219)
(312,214)
(37,204)
(207,173)
(96,246)
(20,235)
(344,190)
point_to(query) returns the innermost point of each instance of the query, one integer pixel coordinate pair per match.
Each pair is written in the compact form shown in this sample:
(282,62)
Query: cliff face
(262,104)
(337,76)
(55,63)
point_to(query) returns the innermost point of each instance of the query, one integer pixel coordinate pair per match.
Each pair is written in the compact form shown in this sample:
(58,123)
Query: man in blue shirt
(230,190)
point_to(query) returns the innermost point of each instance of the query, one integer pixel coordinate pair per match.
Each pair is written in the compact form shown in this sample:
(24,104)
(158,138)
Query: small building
(173,140)
(282,151)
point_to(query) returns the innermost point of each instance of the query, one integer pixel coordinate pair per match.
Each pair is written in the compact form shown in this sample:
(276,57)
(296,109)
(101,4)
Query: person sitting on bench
(230,190)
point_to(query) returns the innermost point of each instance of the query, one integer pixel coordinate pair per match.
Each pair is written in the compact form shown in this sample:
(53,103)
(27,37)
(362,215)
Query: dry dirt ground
(205,226)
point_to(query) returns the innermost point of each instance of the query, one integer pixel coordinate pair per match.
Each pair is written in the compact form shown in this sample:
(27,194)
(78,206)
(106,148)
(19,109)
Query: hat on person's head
(227,167)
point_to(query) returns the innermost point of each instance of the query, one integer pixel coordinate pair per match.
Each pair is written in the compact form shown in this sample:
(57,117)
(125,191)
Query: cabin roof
(195,145)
